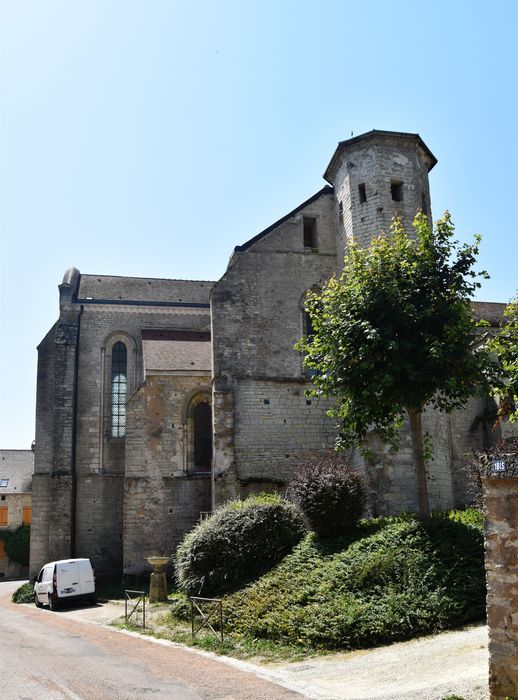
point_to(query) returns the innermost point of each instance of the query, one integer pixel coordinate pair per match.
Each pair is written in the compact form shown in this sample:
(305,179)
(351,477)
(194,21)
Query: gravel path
(430,668)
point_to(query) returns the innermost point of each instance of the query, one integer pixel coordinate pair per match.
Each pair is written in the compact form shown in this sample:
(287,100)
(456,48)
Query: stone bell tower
(376,176)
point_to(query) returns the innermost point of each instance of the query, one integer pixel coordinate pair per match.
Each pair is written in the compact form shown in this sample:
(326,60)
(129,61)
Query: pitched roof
(325,190)
(377,133)
(143,289)
(172,351)
(17,467)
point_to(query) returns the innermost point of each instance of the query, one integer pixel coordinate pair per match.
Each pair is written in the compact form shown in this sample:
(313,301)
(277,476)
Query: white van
(67,579)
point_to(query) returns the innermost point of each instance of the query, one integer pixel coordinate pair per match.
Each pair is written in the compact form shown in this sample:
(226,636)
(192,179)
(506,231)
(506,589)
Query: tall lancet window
(119,389)
(202,437)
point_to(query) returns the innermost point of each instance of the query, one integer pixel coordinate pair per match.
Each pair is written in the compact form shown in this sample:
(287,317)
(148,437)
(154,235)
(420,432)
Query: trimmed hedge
(241,541)
(393,579)
(330,493)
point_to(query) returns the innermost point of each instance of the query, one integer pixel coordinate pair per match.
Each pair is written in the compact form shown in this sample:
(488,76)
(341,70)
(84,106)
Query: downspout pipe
(73,474)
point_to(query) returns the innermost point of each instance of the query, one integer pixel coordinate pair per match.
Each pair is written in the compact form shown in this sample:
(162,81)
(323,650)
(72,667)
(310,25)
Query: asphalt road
(51,656)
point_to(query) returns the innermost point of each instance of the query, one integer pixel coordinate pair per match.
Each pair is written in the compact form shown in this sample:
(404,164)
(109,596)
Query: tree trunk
(416,431)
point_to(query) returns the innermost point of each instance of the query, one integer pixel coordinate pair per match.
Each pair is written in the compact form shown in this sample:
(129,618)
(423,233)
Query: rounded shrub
(329,492)
(24,594)
(241,541)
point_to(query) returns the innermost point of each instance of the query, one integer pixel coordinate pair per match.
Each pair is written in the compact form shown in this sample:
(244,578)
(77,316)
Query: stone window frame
(106,378)
(305,322)
(199,395)
(310,232)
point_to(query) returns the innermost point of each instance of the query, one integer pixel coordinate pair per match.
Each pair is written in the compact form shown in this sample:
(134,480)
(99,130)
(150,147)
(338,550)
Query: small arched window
(119,389)
(202,437)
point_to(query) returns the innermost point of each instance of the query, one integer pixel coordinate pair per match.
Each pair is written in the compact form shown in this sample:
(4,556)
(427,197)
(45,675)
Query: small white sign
(498,466)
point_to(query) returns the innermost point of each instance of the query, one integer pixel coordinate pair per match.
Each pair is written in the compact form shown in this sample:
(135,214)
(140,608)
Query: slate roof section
(143,289)
(18,467)
(167,356)
(371,135)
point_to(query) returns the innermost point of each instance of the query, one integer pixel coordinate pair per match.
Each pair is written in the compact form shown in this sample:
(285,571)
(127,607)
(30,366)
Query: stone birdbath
(158,581)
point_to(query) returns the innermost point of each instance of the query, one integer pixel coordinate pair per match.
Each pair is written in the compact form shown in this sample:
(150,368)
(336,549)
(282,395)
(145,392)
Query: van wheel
(53,605)
(93,599)
(37,602)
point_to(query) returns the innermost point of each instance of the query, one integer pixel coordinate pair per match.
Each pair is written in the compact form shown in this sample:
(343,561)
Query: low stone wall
(501,543)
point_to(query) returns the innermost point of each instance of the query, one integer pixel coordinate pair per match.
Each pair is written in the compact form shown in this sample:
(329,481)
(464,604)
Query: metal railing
(134,603)
(205,613)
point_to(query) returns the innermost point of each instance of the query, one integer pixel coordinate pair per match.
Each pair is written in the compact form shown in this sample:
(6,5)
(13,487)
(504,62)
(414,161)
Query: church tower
(376,176)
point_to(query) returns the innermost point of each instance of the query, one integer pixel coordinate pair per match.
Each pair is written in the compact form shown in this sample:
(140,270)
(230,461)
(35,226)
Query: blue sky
(149,138)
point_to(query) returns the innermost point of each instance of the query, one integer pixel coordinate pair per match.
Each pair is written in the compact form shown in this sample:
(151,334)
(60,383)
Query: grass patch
(166,626)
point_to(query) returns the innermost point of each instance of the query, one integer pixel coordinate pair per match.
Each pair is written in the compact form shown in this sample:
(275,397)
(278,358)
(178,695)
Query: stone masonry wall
(391,475)
(257,317)
(162,497)
(501,543)
(101,458)
(375,164)
(52,532)
(274,422)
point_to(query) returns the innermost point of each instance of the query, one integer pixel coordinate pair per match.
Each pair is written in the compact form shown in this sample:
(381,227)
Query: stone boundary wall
(501,547)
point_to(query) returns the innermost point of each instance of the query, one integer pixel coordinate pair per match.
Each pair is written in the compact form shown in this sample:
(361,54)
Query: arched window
(202,434)
(119,389)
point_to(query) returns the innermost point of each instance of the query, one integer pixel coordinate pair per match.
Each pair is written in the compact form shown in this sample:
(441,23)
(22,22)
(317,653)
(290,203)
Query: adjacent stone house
(158,399)
(16,467)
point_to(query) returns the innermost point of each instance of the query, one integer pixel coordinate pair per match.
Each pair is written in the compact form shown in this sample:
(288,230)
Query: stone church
(157,399)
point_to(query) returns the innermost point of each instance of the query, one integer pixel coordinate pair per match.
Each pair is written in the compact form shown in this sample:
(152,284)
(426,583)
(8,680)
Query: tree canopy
(505,345)
(395,332)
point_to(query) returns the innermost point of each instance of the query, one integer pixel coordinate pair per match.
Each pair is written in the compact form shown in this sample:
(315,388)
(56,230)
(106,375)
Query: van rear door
(86,576)
(67,579)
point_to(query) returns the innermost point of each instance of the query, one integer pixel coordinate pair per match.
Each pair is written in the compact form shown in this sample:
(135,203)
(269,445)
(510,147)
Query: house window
(341,211)
(202,437)
(4,483)
(396,190)
(119,386)
(4,515)
(362,192)
(27,515)
(310,233)
(3,554)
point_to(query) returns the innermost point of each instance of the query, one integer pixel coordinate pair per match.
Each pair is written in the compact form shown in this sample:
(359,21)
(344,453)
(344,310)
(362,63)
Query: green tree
(505,346)
(395,332)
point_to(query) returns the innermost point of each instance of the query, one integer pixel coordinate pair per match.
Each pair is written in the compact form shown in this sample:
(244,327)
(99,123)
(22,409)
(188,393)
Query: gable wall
(257,317)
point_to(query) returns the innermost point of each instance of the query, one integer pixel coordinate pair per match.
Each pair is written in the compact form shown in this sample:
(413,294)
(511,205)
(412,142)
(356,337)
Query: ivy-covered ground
(394,579)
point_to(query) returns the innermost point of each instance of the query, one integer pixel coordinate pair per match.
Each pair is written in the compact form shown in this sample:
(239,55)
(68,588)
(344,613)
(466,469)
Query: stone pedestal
(158,581)
(501,541)
(158,587)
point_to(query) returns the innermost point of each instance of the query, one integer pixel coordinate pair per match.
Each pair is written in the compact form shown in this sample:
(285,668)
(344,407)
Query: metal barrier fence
(134,603)
(206,612)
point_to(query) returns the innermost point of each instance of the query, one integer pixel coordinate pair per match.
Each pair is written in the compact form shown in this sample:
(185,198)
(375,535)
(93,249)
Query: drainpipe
(73,508)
